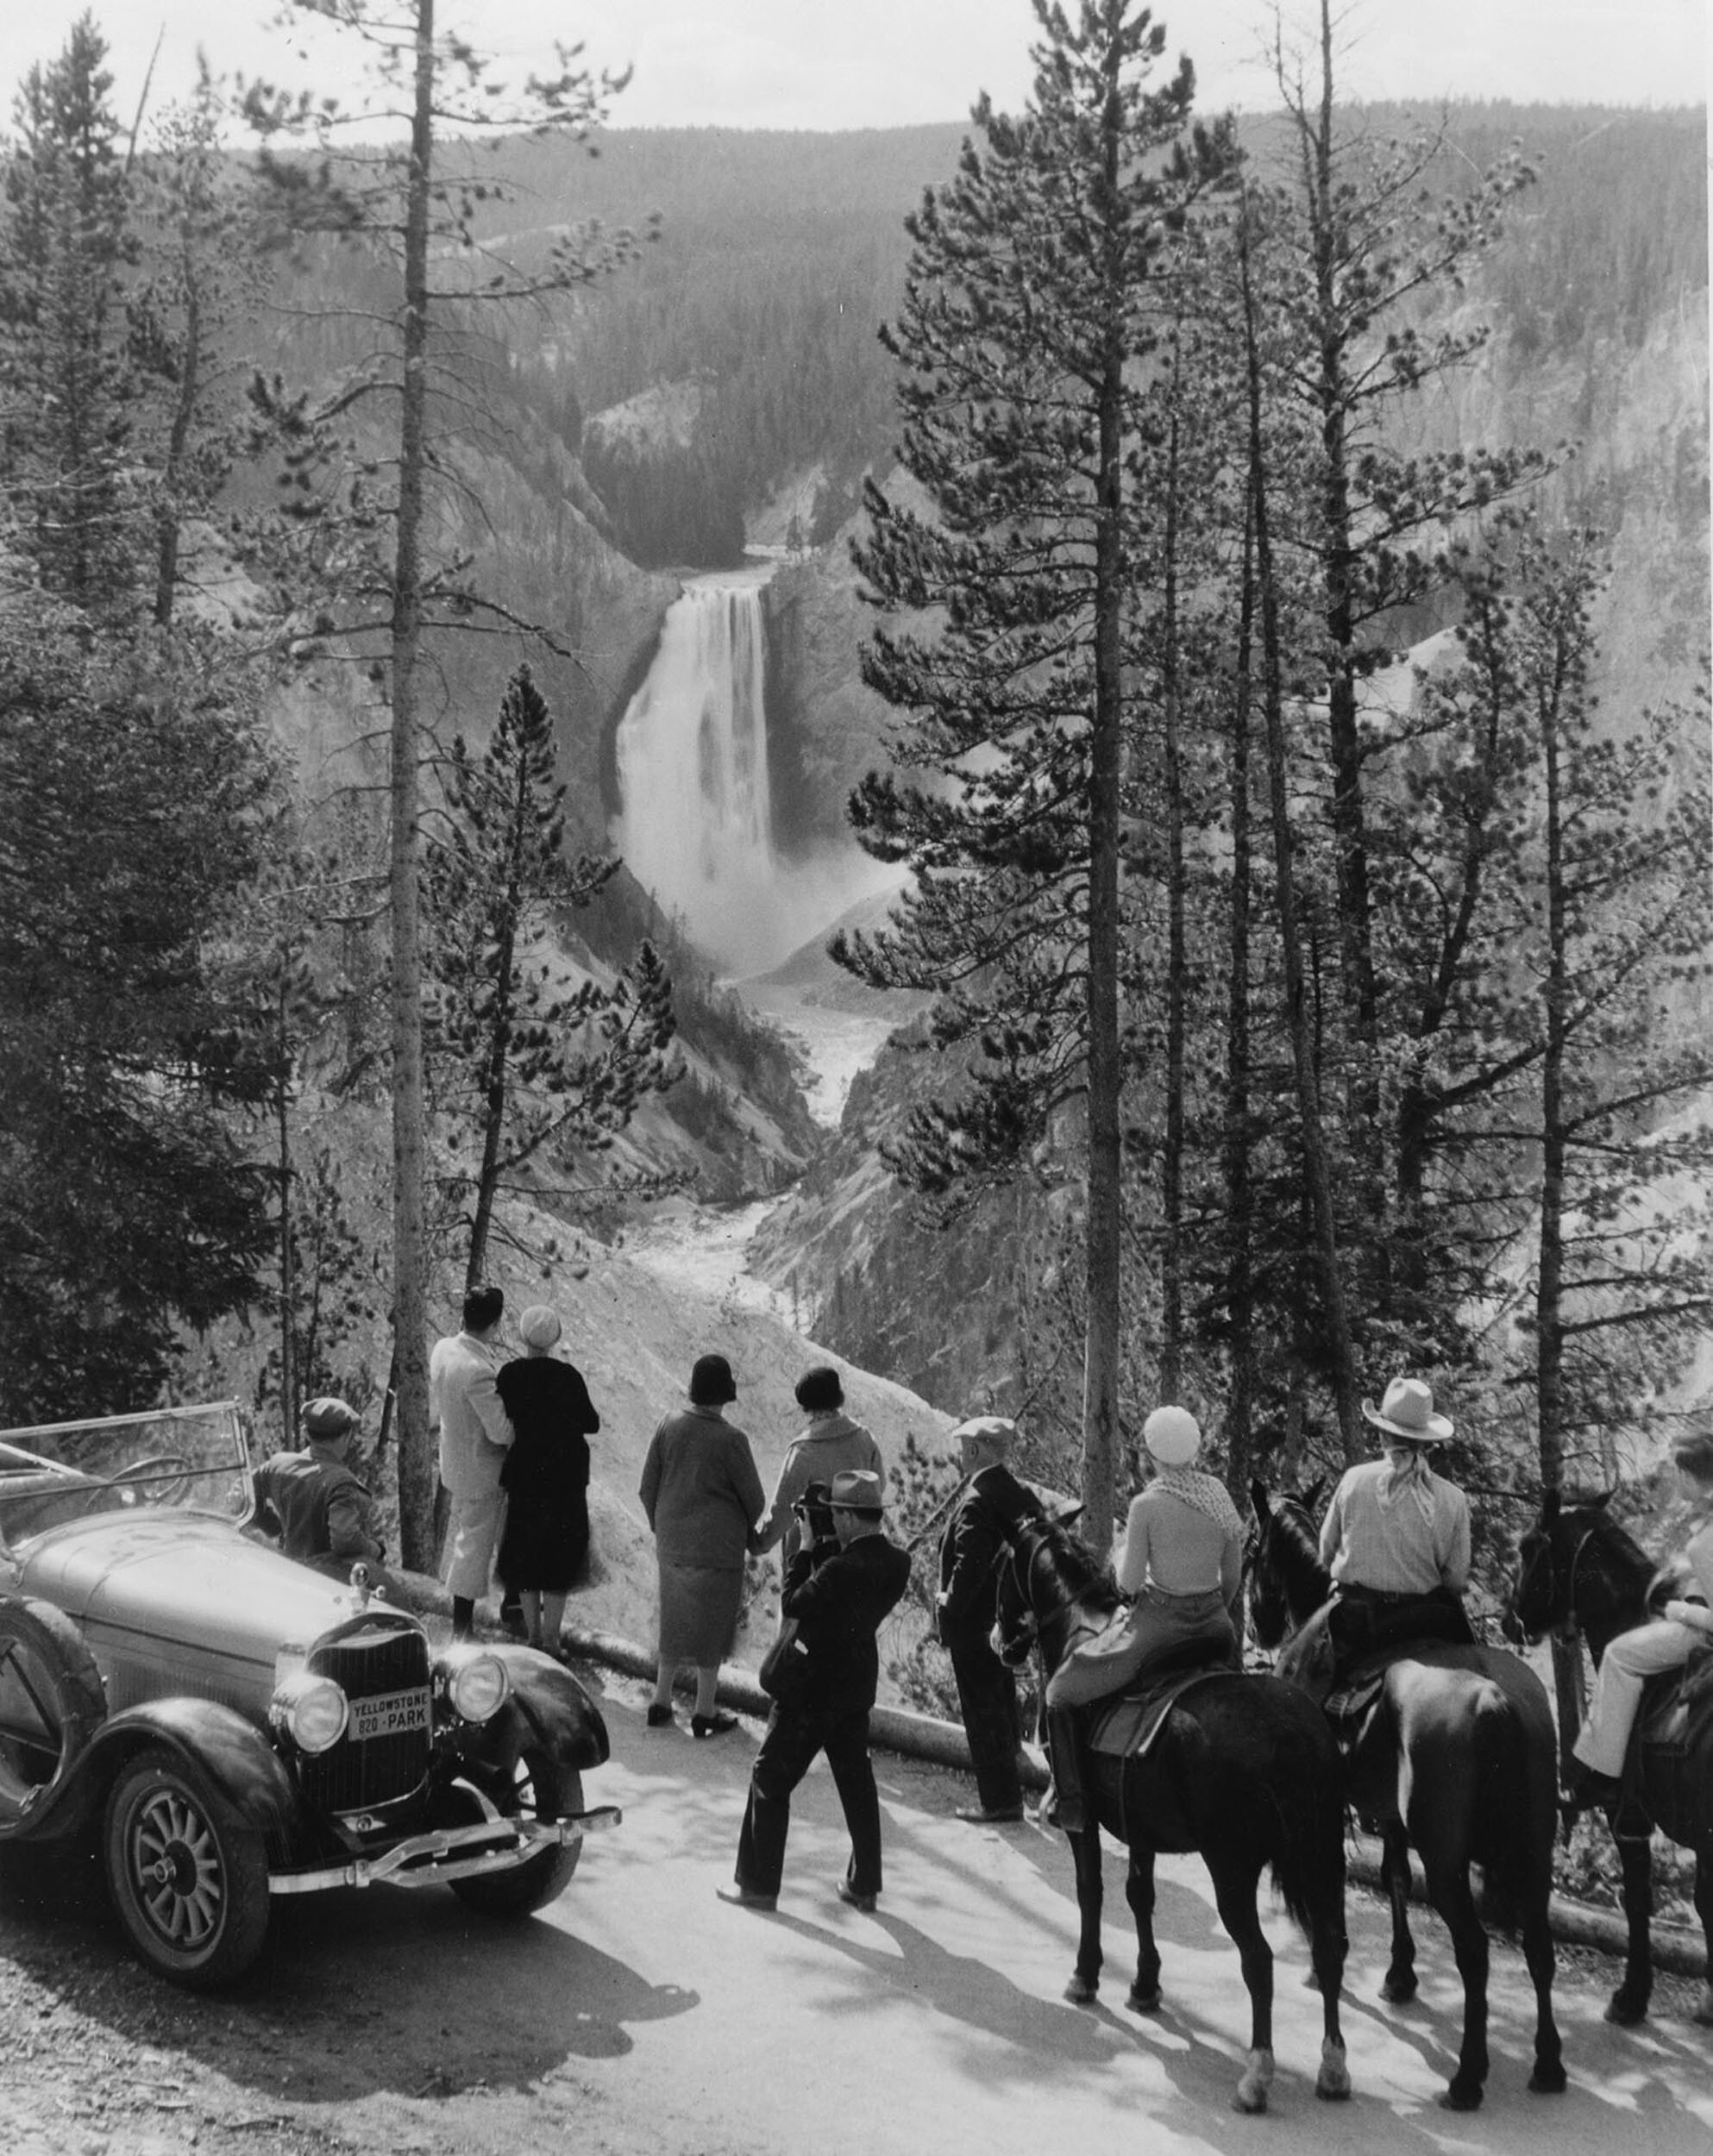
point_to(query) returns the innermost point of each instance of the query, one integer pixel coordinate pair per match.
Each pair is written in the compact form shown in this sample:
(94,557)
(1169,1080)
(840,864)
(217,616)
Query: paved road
(642,2016)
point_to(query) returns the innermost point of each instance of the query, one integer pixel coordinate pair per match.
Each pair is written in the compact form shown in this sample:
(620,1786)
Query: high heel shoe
(712,1725)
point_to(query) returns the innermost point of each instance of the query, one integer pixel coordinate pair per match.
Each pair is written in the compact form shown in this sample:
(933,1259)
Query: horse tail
(1309,1857)
(1508,1842)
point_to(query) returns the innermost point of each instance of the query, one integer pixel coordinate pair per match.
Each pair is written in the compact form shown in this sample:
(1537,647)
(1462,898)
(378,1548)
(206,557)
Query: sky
(825,64)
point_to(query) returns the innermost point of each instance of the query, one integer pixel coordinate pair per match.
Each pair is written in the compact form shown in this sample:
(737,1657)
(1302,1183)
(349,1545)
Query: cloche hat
(1407,1412)
(1173,1435)
(539,1326)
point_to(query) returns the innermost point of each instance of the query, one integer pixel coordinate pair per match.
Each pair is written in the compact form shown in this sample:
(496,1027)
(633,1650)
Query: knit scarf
(1205,1493)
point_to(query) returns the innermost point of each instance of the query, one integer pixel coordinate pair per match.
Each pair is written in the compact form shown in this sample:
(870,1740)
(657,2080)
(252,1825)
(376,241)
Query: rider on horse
(1395,1537)
(1646,1650)
(1183,1563)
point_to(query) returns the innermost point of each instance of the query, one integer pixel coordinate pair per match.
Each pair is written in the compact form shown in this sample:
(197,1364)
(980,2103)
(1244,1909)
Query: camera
(814,1510)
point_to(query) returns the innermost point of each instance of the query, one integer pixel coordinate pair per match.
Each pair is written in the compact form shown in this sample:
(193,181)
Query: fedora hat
(857,1490)
(1407,1412)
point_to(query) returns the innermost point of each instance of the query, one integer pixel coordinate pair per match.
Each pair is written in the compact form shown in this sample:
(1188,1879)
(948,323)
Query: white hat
(539,1326)
(997,1432)
(1173,1435)
(1407,1412)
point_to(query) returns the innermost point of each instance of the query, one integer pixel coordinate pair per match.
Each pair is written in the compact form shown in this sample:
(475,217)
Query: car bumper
(451,1853)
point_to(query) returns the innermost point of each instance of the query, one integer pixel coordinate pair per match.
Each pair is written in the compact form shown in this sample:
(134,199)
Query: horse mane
(1616,1542)
(1077,1572)
(1294,1549)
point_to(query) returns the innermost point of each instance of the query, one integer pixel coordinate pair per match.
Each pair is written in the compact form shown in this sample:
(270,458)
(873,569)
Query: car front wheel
(546,1790)
(191,1890)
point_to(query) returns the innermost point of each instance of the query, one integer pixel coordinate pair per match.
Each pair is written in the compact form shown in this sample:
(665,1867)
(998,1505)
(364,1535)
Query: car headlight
(477,1688)
(313,1710)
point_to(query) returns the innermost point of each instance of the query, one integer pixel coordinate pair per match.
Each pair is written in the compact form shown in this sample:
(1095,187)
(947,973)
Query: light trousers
(1627,1663)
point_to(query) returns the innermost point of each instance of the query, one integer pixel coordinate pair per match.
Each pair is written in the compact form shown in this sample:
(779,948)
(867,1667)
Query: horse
(1458,1762)
(1241,1771)
(1578,1569)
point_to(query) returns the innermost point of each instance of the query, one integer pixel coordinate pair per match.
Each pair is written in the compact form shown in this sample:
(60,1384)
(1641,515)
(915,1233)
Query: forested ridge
(778,257)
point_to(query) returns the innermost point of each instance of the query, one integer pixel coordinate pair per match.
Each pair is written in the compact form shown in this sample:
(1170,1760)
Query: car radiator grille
(369,1664)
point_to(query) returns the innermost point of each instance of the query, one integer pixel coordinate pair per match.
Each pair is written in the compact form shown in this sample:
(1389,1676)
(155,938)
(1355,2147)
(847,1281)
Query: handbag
(784,1674)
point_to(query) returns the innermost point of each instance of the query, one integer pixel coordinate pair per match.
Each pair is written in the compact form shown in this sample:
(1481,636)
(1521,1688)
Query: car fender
(549,1711)
(248,1783)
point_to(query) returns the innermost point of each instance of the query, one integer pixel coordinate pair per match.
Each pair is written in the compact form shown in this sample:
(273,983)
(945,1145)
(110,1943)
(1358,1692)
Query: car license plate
(388,1715)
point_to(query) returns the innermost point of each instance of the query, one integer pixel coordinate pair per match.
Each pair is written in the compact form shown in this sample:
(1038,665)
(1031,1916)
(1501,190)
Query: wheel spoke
(170,1838)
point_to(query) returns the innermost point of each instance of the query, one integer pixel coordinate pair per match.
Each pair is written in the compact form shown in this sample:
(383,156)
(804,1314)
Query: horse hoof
(1081,1992)
(1547,2081)
(1458,2098)
(1333,2083)
(1398,1991)
(1624,2012)
(1252,2090)
(1141,2001)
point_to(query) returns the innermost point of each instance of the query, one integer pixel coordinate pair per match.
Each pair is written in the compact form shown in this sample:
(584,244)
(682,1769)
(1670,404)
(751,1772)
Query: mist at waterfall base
(695,825)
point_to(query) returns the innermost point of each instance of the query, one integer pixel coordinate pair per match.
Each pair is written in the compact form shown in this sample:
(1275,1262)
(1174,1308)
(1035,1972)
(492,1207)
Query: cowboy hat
(1407,1412)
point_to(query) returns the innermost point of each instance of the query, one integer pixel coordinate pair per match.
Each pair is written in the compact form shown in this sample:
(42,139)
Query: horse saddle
(1355,1700)
(1124,1725)
(1664,1772)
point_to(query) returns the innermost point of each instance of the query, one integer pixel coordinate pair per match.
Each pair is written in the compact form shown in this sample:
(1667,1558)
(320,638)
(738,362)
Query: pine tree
(421,212)
(1365,244)
(67,392)
(134,810)
(525,1064)
(1564,891)
(1028,301)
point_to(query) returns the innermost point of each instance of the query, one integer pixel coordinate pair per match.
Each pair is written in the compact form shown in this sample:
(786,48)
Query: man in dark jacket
(321,1514)
(969,1555)
(838,1591)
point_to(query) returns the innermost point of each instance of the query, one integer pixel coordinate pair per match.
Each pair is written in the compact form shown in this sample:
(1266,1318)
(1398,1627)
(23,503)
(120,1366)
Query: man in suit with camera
(842,1582)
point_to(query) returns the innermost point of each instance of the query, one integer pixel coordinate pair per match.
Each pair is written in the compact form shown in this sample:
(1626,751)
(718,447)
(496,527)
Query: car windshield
(180,1459)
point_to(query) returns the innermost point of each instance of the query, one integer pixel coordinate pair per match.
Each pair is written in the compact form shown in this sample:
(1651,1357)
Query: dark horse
(1459,1762)
(1242,1770)
(1577,1568)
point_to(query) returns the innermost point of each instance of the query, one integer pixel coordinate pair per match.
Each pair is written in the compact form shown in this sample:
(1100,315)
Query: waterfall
(696,822)
(695,818)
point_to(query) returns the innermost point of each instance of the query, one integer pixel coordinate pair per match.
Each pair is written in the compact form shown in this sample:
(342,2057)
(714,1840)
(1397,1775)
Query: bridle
(1568,1625)
(1014,1648)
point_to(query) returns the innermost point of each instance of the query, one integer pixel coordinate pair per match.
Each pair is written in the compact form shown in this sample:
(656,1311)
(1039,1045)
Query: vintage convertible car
(230,1725)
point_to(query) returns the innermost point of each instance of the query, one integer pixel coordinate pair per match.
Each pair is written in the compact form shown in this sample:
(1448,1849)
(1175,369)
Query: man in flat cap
(323,1515)
(964,1607)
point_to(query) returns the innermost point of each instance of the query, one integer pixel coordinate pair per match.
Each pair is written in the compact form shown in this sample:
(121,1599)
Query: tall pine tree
(1029,303)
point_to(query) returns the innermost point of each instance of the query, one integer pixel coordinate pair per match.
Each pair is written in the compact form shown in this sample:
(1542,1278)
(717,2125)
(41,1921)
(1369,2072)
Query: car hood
(176,1576)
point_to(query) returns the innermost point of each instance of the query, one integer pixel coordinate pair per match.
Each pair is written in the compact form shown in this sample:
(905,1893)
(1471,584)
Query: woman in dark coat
(546,1477)
(703,1497)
